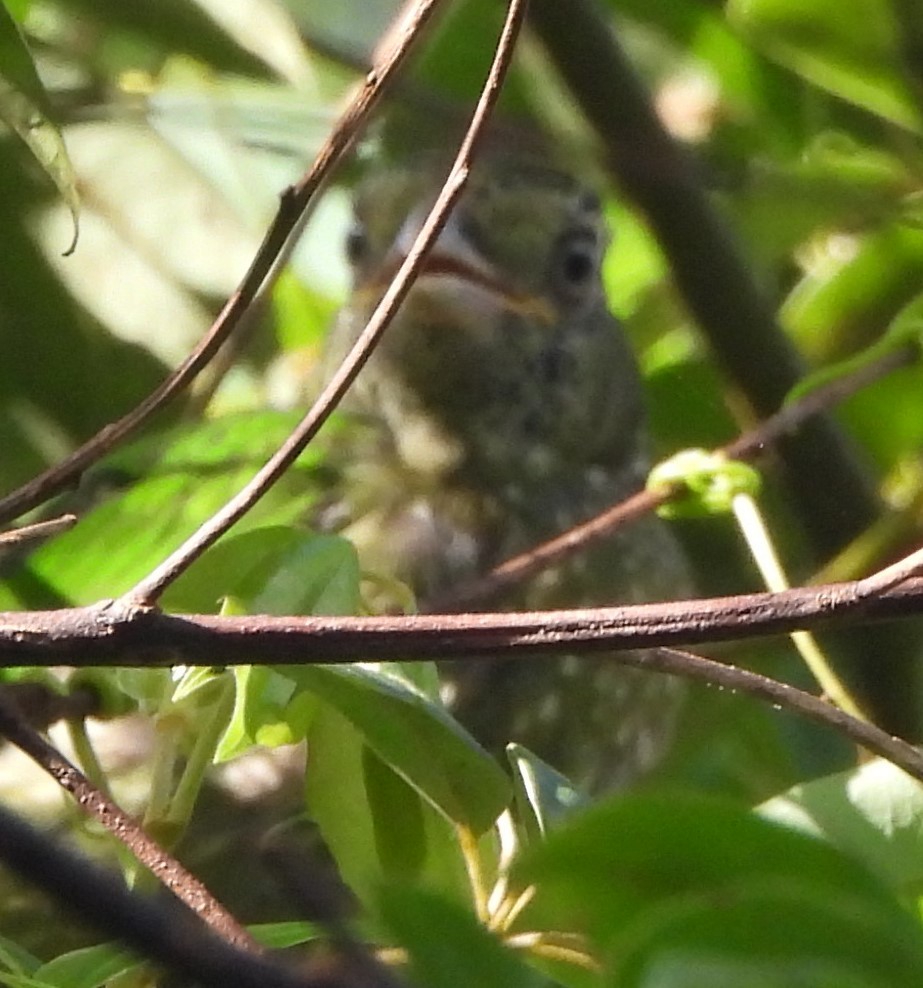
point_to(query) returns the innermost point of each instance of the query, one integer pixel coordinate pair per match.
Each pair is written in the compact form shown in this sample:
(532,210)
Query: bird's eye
(357,244)
(577,261)
(577,265)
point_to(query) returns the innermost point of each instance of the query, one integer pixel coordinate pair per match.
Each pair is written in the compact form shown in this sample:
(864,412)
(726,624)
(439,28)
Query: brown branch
(186,887)
(153,585)
(179,943)
(116,633)
(708,265)
(17,537)
(292,205)
(785,421)
(864,734)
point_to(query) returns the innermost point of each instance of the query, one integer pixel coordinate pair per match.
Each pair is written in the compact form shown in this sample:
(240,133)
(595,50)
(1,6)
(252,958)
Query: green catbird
(503,406)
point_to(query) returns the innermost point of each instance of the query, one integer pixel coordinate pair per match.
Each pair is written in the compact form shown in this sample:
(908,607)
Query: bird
(502,406)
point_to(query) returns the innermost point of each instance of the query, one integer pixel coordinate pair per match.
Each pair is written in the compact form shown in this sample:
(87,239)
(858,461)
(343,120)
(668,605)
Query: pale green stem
(86,755)
(166,752)
(202,755)
(759,542)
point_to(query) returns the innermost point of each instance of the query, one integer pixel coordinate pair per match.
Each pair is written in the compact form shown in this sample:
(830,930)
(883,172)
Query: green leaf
(89,967)
(840,308)
(397,819)
(754,88)
(544,797)
(416,737)
(875,812)
(447,947)
(834,184)
(274,570)
(140,34)
(25,109)
(265,705)
(758,937)
(120,541)
(278,936)
(602,872)
(850,47)
(16,959)
(374,827)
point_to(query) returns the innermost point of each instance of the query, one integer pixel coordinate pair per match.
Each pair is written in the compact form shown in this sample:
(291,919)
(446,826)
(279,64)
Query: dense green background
(182,126)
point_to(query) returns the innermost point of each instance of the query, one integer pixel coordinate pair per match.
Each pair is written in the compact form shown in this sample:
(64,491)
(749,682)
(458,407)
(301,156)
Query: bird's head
(503,359)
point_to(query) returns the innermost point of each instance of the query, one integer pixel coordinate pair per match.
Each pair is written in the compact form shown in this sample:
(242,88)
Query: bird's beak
(454,265)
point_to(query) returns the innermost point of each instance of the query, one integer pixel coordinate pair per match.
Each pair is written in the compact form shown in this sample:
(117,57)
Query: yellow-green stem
(202,755)
(759,542)
(472,858)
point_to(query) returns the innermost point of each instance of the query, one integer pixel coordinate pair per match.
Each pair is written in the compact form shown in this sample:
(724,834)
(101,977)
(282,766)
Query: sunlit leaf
(354,820)
(126,536)
(854,290)
(603,870)
(875,812)
(850,47)
(544,797)
(768,936)
(275,570)
(25,109)
(416,737)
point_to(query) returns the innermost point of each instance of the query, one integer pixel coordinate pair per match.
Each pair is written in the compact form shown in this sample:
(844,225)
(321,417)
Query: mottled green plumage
(503,406)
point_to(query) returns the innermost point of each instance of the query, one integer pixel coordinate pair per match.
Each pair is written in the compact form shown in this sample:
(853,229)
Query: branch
(292,205)
(148,927)
(116,633)
(153,585)
(864,734)
(18,537)
(790,417)
(707,263)
(186,887)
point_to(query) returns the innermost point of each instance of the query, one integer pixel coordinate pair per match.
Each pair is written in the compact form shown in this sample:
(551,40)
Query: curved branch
(264,267)
(153,585)
(185,886)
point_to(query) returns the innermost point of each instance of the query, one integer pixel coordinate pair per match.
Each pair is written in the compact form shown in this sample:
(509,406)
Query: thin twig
(292,204)
(780,695)
(151,929)
(96,804)
(893,575)
(792,416)
(785,421)
(153,585)
(17,537)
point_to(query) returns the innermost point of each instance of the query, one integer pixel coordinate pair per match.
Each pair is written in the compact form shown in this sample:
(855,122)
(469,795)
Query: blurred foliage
(183,121)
